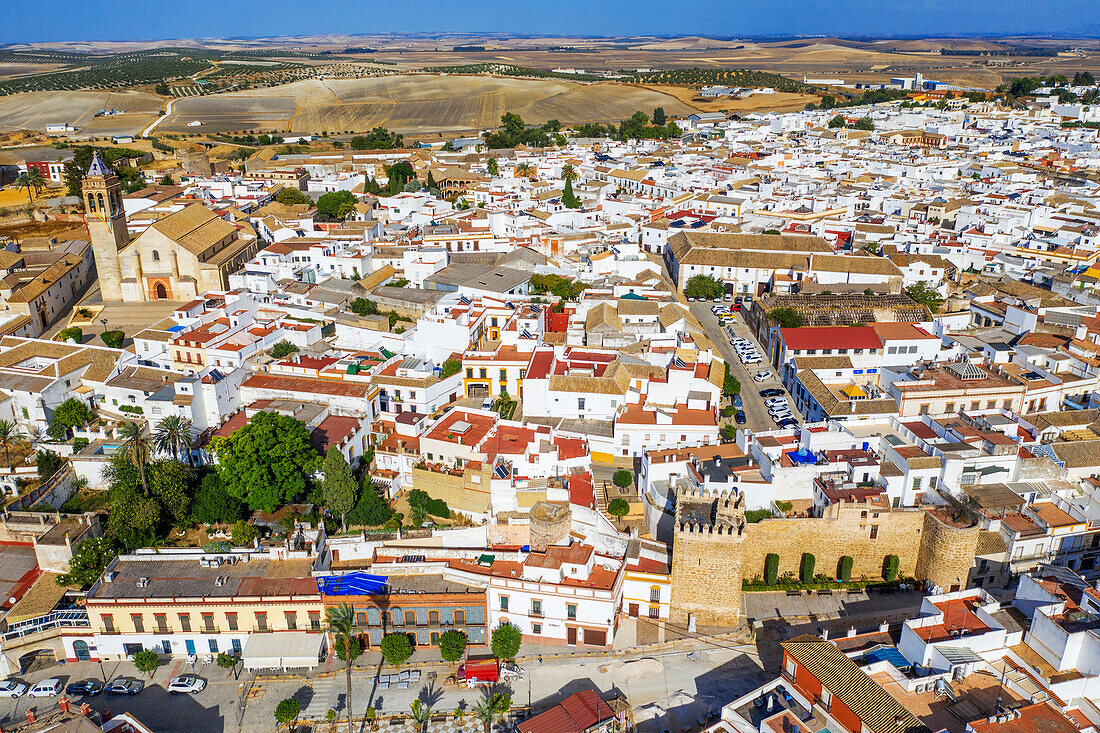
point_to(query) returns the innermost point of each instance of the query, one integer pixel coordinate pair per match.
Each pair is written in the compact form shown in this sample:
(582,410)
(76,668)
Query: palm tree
(32,180)
(421,713)
(137,445)
(9,436)
(489,707)
(35,435)
(173,435)
(340,621)
(568,173)
(523,169)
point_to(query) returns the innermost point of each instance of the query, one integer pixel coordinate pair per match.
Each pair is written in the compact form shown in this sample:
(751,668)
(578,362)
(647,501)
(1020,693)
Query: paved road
(756,414)
(666,687)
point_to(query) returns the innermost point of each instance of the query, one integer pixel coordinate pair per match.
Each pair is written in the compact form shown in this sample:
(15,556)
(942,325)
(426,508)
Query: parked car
(771,392)
(487,403)
(46,688)
(125,686)
(772,401)
(738,403)
(691,300)
(762,376)
(187,683)
(736,307)
(754,359)
(739,417)
(789,422)
(748,299)
(85,688)
(12,688)
(727,296)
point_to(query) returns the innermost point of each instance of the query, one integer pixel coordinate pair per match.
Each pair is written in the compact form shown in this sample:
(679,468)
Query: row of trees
(808,562)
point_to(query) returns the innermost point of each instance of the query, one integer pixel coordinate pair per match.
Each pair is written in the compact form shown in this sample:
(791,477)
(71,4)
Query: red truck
(482,671)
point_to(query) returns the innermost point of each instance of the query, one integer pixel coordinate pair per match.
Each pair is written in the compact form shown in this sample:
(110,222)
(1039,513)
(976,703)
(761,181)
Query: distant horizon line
(519,36)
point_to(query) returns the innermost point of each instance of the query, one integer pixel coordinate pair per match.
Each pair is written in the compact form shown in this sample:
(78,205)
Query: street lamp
(101,672)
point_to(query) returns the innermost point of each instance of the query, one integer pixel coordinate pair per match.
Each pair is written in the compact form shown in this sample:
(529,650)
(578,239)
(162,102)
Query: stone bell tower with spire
(105,218)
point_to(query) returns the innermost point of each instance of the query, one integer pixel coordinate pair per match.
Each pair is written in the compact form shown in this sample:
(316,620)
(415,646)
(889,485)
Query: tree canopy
(452,645)
(787,317)
(291,196)
(396,649)
(926,295)
(338,486)
(378,139)
(335,205)
(265,464)
(72,413)
(704,286)
(88,562)
(506,641)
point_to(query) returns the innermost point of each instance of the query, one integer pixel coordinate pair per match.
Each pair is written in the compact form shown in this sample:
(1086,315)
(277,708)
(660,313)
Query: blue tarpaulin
(802,456)
(352,584)
(888,654)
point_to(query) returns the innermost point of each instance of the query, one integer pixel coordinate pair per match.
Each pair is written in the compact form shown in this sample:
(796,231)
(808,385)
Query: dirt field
(421,103)
(35,110)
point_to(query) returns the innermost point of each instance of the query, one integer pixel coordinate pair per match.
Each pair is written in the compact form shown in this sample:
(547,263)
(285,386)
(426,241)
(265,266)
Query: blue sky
(60,20)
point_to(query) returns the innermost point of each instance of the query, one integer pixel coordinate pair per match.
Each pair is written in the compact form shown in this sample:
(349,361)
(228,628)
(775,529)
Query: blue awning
(352,584)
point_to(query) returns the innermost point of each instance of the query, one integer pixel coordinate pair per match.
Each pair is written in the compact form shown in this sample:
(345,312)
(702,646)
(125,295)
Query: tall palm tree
(523,169)
(138,445)
(489,707)
(9,436)
(421,713)
(173,435)
(340,622)
(32,180)
(568,173)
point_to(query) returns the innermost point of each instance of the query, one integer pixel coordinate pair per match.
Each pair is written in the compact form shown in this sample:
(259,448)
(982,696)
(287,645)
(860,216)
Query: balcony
(163,630)
(210,630)
(56,619)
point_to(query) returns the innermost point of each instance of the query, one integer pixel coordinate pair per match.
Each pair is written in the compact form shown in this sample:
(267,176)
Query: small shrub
(72,333)
(771,568)
(243,533)
(79,444)
(114,339)
(283,348)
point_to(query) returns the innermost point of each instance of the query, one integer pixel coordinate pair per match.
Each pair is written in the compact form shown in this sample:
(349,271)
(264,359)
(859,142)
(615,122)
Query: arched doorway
(80,648)
(160,292)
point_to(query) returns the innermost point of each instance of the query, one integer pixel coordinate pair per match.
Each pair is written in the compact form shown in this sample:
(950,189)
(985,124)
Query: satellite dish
(13,600)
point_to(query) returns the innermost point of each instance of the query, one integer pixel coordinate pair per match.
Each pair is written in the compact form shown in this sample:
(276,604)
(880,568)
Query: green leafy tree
(265,463)
(282,349)
(864,123)
(88,562)
(449,368)
(396,649)
(838,121)
(659,116)
(340,623)
(137,444)
(227,662)
(47,463)
(731,385)
(287,711)
(372,509)
(492,167)
(72,333)
(243,534)
(72,413)
(146,661)
(335,205)
(786,317)
(618,507)
(213,503)
(168,482)
(506,641)
(10,435)
(292,196)
(452,645)
(623,478)
(338,486)
(703,286)
(926,295)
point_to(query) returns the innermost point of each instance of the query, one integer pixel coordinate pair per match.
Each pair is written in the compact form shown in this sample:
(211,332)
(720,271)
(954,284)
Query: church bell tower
(105,218)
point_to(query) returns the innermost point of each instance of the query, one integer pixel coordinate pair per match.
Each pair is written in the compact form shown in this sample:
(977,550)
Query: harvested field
(35,110)
(230,112)
(416,103)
